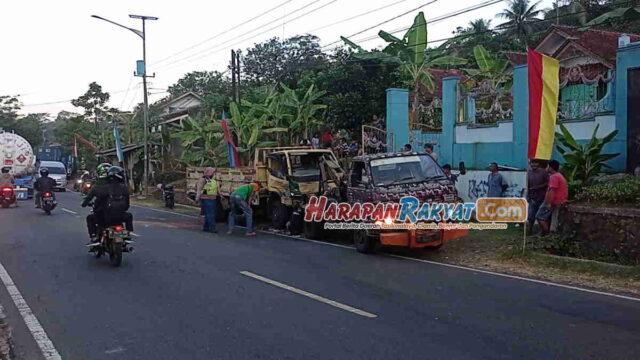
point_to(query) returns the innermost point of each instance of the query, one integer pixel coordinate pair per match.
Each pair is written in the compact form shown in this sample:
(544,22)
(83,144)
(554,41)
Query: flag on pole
(234,158)
(116,135)
(544,90)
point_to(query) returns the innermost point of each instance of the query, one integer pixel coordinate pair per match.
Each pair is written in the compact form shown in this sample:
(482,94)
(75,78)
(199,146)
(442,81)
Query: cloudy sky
(52,50)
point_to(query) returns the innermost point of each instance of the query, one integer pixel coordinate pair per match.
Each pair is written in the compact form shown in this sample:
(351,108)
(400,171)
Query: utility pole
(142,71)
(238,76)
(233,75)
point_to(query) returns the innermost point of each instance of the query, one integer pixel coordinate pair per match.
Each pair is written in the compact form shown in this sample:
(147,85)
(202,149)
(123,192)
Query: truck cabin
(394,169)
(298,166)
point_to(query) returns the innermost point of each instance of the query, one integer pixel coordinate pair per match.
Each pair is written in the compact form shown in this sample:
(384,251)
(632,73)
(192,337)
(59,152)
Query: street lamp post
(142,34)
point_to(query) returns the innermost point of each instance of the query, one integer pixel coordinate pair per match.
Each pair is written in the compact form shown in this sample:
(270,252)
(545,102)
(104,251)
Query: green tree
(306,109)
(66,126)
(522,20)
(275,61)
(31,128)
(94,102)
(9,106)
(202,83)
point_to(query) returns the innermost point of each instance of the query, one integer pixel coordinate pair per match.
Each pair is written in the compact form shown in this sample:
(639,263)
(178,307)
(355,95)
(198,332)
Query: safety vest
(211,187)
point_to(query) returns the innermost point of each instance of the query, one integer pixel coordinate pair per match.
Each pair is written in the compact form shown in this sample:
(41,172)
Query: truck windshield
(405,169)
(304,166)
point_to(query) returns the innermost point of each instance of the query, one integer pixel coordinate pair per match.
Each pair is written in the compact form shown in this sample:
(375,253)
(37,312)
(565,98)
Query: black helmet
(6,170)
(44,172)
(116,173)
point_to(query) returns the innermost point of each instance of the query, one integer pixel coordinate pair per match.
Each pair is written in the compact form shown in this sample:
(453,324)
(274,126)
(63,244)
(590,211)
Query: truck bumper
(421,238)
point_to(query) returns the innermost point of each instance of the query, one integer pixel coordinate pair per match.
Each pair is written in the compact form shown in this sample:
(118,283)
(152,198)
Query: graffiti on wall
(474,185)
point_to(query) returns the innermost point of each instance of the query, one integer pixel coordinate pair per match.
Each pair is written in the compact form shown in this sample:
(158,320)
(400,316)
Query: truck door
(277,177)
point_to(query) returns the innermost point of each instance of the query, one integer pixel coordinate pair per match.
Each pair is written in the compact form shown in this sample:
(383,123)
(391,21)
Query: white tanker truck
(17,154)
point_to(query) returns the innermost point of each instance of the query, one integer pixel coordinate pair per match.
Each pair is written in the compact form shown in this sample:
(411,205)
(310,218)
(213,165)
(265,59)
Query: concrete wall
(507,142)
(473,184)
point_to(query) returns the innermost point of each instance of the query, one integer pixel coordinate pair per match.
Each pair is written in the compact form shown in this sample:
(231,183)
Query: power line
(217,50)
(246,33)
(357,16)
(386,21)
(224,32)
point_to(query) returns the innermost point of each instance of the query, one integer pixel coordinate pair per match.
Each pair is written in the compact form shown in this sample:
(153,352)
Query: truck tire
(279,214)
(313,230)
(295,223)
(364,243)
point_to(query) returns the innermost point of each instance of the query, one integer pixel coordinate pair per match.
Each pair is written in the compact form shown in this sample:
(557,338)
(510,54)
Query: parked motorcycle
(48,202)
(169,196)
(7,197)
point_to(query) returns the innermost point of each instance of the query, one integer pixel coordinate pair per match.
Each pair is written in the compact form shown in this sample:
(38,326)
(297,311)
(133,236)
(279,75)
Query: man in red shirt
(327,138)
(557,194)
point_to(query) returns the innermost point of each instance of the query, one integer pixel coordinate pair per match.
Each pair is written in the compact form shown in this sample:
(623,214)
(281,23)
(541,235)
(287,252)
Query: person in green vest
(240,200)
(207,194)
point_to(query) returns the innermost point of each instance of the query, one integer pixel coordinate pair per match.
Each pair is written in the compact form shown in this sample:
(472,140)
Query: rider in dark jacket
(43,184)
(111,204)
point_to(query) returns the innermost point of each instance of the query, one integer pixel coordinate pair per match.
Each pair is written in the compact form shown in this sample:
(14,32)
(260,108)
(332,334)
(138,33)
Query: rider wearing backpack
(111,202)
(207,193)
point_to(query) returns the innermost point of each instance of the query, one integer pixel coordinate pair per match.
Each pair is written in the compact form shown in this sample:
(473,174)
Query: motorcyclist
(43,184)
(6,179)
(111,204)
(94,220)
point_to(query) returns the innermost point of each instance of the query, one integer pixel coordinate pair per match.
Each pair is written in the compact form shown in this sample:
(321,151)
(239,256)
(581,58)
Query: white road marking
(46,346)
(549,283)
(309,295)
(115,351)
(69,211)
(134,234)
(437,263)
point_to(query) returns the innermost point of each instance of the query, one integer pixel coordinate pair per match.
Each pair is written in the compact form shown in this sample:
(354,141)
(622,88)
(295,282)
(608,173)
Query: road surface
(185,294)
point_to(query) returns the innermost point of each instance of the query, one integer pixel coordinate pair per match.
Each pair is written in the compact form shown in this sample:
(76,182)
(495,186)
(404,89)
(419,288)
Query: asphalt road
(184,294)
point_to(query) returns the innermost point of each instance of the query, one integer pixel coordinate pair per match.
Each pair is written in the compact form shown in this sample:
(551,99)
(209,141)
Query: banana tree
(583,162)
(278,119)
(202,140)
(490,68)
(246,126)
(412,55)
(306,109)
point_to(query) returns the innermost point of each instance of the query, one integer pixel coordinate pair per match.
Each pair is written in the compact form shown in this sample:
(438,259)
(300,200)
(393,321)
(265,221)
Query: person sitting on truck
(43,184)
(6,179)
(240,200)
(207,195)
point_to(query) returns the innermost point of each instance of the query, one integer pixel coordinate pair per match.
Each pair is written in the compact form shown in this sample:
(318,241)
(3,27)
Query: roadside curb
(6,348)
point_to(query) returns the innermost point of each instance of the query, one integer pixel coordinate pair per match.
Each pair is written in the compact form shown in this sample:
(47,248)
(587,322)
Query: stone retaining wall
(604,231)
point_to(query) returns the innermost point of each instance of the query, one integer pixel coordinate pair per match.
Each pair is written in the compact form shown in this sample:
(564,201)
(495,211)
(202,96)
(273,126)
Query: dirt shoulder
(6,349)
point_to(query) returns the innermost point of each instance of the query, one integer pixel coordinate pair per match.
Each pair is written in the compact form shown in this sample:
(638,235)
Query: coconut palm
(479,26)
(522,20)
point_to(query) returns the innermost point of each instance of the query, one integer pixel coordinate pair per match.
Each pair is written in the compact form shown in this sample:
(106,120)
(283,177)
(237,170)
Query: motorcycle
(48,202)
(7,197)
(87,185)
(169,196)
(114,241)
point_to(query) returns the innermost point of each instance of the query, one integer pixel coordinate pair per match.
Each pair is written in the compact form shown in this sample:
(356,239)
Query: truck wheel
(279,214)
(364,243)
(313,230)
(295,223)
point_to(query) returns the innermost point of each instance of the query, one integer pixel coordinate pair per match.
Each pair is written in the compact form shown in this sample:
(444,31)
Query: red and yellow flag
(544,90)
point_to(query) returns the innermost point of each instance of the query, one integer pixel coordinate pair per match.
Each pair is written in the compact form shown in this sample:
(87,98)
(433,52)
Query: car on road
(57,171)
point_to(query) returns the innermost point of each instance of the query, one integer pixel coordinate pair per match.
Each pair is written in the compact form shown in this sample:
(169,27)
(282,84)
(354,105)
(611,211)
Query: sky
(52,50)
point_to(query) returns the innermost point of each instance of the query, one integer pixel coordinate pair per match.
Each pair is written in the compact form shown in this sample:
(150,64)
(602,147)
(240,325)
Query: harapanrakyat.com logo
(410,213)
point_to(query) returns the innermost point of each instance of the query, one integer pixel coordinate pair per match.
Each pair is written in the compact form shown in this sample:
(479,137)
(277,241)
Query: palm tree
(479,26)
(522,20)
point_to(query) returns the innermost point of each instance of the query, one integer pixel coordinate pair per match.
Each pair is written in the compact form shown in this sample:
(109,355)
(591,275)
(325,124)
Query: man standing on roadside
(207,194)
(497,184)
(537,182)
(557,194)
(241,200)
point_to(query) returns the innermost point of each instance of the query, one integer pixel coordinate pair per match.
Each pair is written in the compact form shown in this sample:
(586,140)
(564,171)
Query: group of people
(547,189)
(208,195)
(428,149)
(43,184)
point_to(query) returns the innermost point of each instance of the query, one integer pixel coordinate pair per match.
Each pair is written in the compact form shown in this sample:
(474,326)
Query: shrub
(626,191)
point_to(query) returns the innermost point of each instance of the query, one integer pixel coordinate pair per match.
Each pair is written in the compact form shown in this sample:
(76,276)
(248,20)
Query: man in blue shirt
(497,184)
